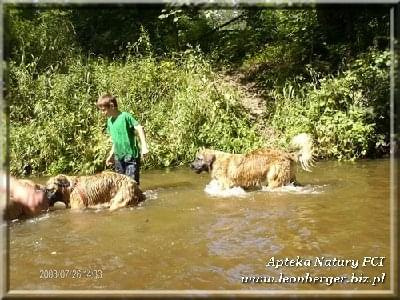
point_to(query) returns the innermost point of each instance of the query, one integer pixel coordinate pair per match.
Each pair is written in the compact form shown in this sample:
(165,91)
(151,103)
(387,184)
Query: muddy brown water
(183,238)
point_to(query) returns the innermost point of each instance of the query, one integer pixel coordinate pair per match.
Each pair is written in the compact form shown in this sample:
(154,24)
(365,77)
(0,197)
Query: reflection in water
(186,237)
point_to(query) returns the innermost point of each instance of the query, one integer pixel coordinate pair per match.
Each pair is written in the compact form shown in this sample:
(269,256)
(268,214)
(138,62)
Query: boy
(122,126)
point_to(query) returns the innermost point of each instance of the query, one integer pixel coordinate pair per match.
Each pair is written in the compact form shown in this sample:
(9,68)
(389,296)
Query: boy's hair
(106,100)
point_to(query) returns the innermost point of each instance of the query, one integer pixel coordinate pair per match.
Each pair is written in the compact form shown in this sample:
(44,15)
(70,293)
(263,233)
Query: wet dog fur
(108,189)
(274,167)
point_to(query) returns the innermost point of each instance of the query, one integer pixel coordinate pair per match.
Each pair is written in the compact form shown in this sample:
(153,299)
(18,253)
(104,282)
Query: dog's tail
(305,154)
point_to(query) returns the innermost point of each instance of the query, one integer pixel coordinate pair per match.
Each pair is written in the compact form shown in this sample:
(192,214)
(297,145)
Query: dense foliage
(321,71)
(180,102)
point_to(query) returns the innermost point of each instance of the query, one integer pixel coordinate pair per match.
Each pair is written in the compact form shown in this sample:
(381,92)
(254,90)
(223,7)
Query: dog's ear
(209,159)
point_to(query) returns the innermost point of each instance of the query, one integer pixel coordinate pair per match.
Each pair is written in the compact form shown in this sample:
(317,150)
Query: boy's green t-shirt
(121,129)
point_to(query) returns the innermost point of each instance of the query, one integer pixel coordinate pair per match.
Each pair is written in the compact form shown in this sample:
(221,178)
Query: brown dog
(16,210)
(276,167)
(108,188)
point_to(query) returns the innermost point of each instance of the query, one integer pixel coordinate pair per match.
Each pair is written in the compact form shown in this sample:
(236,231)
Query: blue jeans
(130,167)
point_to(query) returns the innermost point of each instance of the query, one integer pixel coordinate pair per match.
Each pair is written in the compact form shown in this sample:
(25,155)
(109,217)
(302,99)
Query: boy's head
(107,103)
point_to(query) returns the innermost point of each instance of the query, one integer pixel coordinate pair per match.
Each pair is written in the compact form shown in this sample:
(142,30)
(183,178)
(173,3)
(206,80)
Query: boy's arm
(143,145)
(110,157)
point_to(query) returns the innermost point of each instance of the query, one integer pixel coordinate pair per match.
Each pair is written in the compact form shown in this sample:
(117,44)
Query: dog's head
(58,189)
(204,161)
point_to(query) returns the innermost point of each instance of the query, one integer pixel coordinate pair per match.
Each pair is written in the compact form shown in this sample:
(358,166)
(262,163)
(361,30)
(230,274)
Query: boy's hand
(144,151)
(110,161)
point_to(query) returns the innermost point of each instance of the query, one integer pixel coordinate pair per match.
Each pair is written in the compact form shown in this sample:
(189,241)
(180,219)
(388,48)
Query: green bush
(342,112)
(40,38)
(60,59)
(180,102)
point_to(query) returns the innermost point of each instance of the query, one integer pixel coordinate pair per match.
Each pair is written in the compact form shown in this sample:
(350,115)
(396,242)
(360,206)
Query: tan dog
(275,167)
(16,210)
(110,189)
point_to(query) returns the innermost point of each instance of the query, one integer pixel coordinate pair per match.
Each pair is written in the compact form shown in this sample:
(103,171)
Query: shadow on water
(184,237)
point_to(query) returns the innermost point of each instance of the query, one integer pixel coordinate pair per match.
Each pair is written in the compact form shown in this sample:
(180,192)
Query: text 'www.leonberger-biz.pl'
(274,167)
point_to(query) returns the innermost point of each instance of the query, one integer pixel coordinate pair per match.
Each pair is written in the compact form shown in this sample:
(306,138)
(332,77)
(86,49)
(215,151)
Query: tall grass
(180,101)
(347,114)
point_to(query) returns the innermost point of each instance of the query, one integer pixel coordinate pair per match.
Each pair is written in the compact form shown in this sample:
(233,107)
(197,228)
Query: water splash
(38,218)
(215,189)
(291,188)
(151,194)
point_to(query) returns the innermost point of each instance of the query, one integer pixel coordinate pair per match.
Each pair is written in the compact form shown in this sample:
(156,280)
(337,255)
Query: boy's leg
(119,166)
(137,170)
(133,169)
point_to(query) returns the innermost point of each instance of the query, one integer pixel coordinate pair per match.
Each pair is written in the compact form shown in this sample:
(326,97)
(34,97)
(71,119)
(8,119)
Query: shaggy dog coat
(275,167)
(109,189)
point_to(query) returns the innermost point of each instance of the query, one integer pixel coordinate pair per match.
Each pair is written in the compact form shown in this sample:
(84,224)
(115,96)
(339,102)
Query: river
(189,237)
